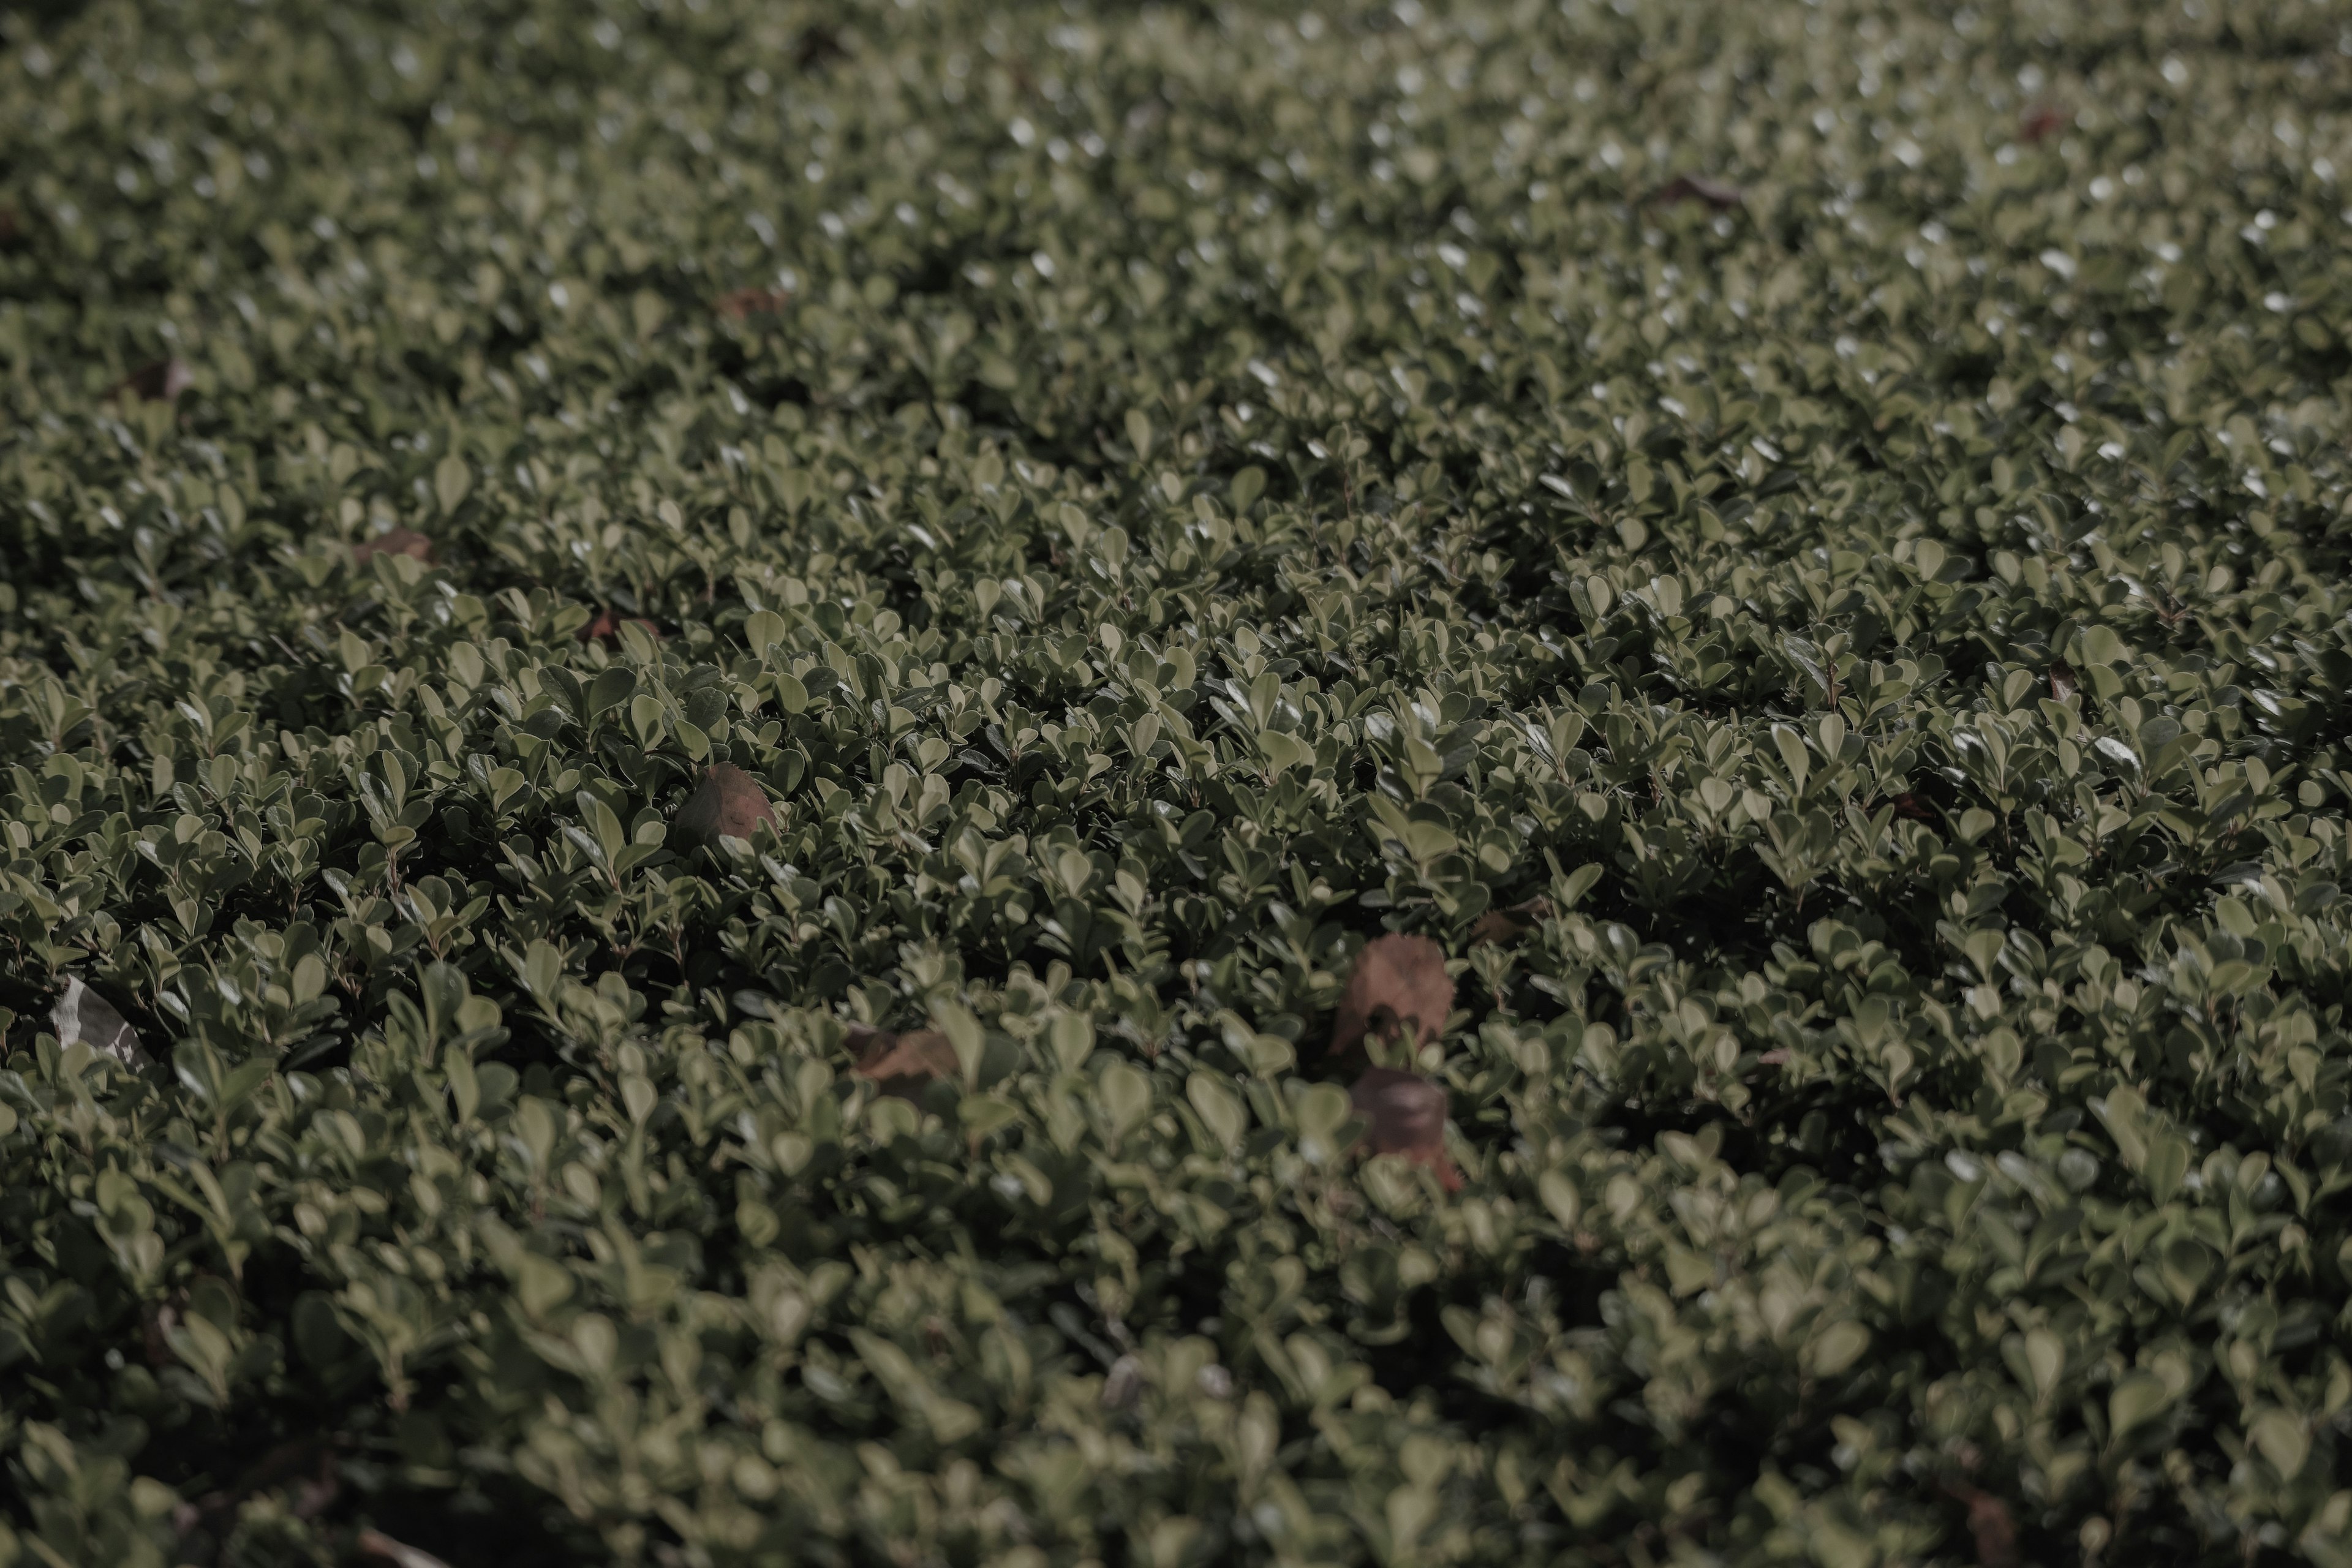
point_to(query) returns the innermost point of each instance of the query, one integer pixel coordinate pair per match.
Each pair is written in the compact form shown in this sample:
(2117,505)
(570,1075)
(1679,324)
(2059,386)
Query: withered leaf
(1399,982)
(1495,926)
(728,804)
(903,1064)
(1914,807)
(2062,679)
(158,383)
(1989,1522)
(1405,1114)
(742,304)
(1505,925)
(394,541)
(607,625)
(1720,194)
(2043,121)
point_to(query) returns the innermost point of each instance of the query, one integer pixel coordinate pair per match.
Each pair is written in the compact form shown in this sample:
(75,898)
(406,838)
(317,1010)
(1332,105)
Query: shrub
(705,705)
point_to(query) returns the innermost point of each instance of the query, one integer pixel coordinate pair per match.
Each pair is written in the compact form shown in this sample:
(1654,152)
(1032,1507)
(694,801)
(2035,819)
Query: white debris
(83,1014)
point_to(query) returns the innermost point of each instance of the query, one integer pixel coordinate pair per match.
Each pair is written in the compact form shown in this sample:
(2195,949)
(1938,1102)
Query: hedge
(1136,786)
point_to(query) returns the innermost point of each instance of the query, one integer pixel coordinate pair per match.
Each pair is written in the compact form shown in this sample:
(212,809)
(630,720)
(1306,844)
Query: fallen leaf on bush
(2042,121)
(82,1014)
(1396,979)
(728,804)
(158,383)
(1718,193)
(1502,925)
(903,1064)
(742,304)
(608,623)
(2062,679)
(1989,1522)
(1495,926)
(394,541)
(1405,1114)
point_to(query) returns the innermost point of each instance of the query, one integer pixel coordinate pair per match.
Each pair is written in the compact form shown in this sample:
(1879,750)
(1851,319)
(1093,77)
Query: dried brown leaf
(1720,194)
(728,804)
(2043,121)
(1405,1114)
(1989,1522)
(394,541)
(904,1064)
(742,304)
(607,625)
(1399,982)
(2062,679)
(158,383)
(1505,925)
(1495,926)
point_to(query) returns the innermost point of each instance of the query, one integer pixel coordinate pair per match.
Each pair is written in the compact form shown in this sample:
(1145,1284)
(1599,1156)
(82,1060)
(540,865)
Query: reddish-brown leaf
(607,625)
(1911,805)
(742,304)
(1398,984)
(394,541)
(1502,925)
(1405,1114)
(1989,1522)
(158,383)
(2062,679)
(1495,926)
(903,1064)
(1720,194)
(2045,121)
(728,804)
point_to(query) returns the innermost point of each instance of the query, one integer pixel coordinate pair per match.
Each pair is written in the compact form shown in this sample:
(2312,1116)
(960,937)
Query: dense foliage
(1804,546)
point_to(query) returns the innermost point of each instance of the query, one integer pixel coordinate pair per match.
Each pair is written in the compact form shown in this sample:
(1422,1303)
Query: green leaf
(610,689)
(2134,1401)
(2284,1439)
(452,481)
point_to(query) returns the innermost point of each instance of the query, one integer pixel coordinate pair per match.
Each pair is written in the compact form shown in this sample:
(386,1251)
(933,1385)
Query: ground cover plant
(1014,784)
